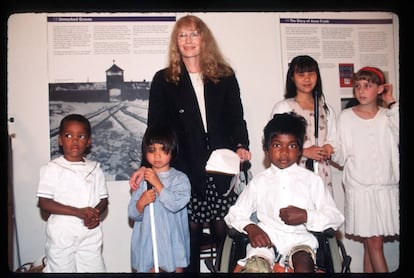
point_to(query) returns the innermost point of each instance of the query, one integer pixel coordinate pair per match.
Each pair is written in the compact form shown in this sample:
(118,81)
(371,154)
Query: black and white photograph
(117,111)
(101,67)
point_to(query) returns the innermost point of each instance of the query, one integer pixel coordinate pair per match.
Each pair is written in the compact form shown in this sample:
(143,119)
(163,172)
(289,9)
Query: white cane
(316,115)
(153,235)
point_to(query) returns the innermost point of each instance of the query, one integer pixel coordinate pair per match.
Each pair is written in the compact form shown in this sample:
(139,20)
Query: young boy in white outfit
(73,191)
(289,201)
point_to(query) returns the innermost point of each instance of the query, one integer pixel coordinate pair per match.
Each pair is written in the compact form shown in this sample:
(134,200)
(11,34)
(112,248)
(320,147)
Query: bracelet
(391,104)
(240,146)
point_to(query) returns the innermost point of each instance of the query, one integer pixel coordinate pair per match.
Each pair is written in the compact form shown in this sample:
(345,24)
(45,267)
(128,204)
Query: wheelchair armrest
(329,233)
(236,235)
(239,241)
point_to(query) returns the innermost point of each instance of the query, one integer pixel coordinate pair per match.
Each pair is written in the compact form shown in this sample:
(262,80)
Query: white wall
(248,40)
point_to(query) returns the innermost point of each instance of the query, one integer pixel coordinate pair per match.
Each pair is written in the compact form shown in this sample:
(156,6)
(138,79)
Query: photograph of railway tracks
(117,111)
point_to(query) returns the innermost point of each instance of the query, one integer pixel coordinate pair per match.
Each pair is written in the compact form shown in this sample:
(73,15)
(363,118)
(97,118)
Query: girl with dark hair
(169,191)
(303,85)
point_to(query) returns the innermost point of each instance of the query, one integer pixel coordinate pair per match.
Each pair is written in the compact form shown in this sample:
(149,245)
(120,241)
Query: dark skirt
(212,206)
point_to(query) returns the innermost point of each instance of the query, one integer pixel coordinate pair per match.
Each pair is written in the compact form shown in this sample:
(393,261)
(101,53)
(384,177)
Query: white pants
(71,247)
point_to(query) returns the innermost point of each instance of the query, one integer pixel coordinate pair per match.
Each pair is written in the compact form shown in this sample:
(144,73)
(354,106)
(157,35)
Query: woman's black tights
(218,231)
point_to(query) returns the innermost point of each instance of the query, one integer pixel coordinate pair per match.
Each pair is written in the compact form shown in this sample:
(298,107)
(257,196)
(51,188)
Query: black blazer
(176,105)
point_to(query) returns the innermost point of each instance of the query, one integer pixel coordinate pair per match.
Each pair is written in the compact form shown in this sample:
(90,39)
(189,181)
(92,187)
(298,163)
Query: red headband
(376,72)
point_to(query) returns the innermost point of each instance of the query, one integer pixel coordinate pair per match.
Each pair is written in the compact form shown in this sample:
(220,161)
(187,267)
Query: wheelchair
(331,256)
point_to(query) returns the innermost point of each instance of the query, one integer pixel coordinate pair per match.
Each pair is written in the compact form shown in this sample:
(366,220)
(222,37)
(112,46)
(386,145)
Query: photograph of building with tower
(117,110)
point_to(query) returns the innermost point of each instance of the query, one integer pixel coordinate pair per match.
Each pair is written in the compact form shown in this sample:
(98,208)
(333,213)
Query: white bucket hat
(223,161)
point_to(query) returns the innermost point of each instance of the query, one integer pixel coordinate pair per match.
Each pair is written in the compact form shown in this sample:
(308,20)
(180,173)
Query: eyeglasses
(192,35)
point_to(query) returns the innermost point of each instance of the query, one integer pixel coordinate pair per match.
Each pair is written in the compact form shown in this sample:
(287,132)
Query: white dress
(368,150)
(326,133)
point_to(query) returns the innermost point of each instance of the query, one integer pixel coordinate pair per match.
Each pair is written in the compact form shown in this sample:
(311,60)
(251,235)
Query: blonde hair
(213,66)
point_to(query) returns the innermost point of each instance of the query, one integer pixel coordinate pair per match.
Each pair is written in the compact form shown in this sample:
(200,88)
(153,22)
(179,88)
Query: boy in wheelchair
(290,203)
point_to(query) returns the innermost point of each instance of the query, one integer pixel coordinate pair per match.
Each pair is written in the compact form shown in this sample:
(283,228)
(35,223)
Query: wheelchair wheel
(225,255)
(331,255)
(234,248)
(335,255)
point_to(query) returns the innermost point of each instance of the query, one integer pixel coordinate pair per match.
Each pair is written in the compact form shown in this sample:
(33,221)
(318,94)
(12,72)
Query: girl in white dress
(368,149)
